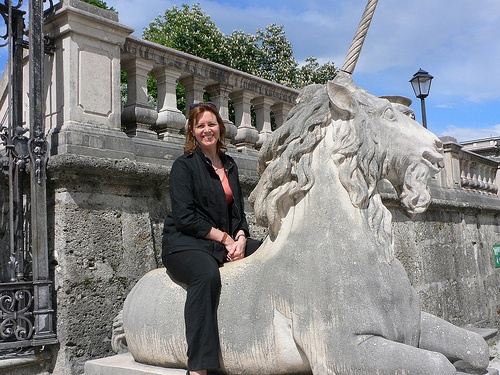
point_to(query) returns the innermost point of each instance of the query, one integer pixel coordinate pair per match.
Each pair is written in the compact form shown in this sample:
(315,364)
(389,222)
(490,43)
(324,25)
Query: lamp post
(421,83)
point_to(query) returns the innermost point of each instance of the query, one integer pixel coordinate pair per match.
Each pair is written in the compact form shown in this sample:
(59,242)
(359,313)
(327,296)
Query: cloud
(457,44)
(466,134)
(446,105)
(133,13)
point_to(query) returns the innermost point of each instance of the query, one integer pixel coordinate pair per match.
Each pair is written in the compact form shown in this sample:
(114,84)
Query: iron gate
(26,313)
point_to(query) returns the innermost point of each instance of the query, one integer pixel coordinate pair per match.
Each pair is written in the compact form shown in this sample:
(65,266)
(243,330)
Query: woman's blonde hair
(194,114)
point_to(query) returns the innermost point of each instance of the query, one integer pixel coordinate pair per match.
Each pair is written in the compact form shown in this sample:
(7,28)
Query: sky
(456,41)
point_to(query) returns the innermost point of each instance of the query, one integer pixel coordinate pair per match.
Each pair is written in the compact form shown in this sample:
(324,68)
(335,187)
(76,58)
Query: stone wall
(105,224)
(105,227)
(448,255)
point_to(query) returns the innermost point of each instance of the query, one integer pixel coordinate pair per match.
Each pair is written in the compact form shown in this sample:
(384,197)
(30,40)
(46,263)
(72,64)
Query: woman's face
(206,131)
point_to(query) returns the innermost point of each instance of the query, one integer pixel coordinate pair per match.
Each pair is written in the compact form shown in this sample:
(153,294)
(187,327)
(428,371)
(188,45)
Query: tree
(312,72)
(239,44)
(99,4)
(189,30)
(276,60)
(267,54)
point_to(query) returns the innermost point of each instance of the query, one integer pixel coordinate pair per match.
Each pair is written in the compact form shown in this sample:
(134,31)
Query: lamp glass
(421,83)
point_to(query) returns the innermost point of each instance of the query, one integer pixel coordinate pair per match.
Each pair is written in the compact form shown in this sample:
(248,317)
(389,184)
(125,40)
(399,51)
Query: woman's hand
(236,249)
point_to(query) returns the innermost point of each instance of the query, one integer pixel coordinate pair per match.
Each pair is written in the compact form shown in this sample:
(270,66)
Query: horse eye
(389,114)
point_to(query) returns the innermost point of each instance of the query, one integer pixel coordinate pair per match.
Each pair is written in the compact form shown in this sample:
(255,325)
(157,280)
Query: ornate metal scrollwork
(19,147)
(16,321)
(8,11)
(4,140)
(38,151)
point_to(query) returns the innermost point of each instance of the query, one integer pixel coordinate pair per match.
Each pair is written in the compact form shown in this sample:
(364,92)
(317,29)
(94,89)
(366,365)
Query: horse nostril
(438,143)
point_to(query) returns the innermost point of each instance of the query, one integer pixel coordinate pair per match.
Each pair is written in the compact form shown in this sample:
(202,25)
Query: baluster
(247,136)
(194,89)
(280,112)
(170,120)
(464,181)
(138,116)
(219,94)
(474,183)
(262,106)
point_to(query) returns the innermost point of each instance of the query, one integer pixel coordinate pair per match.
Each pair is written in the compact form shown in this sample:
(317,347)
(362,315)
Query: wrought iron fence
(26,313)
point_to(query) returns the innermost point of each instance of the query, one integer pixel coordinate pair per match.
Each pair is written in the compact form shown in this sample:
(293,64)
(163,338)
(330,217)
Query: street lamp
(421,83)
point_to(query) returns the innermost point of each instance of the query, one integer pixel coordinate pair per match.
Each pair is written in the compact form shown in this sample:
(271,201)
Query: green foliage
(189,30)
(276,56)
(239,44)
(267,54)
(99,4)
(312,72)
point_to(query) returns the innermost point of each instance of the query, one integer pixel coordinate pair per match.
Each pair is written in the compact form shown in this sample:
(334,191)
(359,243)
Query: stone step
(124,364)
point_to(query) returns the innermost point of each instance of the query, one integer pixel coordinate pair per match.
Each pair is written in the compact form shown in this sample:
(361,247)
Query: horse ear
(341,102)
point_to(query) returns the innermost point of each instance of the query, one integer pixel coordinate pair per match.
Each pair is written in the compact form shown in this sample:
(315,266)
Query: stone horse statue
(324,294)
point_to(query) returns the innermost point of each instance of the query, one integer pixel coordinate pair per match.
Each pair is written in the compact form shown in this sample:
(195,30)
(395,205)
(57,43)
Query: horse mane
(285,157)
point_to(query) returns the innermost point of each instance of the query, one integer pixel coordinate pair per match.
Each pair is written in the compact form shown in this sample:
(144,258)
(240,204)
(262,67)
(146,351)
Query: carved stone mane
(285,159)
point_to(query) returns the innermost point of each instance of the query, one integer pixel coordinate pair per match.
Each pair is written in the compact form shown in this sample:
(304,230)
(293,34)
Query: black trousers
(199,273)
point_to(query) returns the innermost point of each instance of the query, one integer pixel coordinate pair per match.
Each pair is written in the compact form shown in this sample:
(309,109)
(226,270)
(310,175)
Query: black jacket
(199,203)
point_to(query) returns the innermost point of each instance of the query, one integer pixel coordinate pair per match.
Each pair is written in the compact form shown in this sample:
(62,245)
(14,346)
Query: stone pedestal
(83,105)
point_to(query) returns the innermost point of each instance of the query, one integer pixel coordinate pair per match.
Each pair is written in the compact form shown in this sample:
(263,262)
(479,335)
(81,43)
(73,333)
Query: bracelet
(239,235)
(224,236)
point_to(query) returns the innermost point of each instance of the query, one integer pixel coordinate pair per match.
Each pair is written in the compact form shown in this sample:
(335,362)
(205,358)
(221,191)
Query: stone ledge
(37,363)
(124,364)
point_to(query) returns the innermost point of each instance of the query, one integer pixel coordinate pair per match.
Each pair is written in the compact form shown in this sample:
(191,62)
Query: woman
(207,227)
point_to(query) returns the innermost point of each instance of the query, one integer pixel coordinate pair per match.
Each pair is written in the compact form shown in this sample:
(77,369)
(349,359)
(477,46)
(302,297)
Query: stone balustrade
(198,76)
(468,171)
